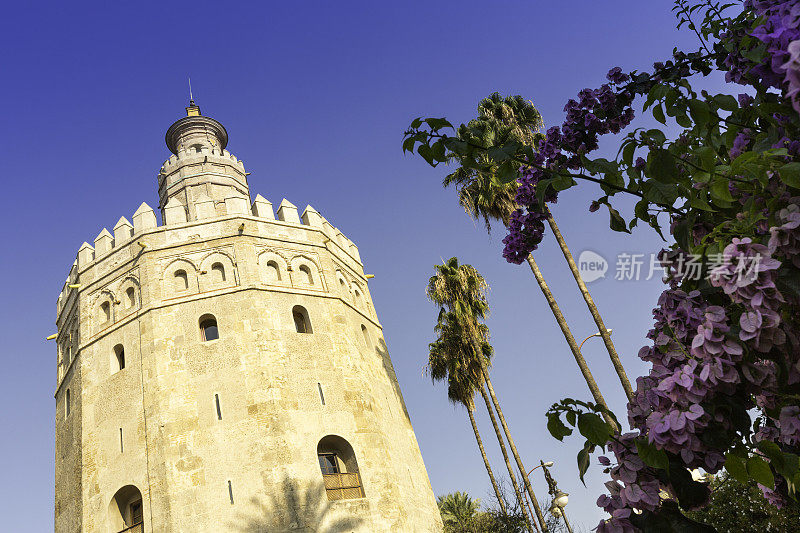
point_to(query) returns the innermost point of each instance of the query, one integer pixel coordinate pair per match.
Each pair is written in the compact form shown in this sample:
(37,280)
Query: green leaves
(720,191)
(736,467)
(556,427)
(790,174)
(661,166)
(617,223)
(584,459)
(651,455)
(700,112)
(758,469)
(594,428)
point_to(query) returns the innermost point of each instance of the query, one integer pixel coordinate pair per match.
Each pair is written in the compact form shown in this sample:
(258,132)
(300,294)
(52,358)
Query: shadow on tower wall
(295,509)
(383,351)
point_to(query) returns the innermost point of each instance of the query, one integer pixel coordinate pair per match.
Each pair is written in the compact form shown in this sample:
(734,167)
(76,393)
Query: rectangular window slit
(219,409)
(321,395)
(230,491)
(120,441)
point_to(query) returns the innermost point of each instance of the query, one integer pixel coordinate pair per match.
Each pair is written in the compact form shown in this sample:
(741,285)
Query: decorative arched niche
(180,278)
(125,510)
(128,295)
(339,468)
(217,270)
(305,273)
(272,268)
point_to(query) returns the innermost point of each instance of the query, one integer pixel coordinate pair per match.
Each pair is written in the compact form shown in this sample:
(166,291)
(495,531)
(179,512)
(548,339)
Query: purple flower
(615,75)
(740,143)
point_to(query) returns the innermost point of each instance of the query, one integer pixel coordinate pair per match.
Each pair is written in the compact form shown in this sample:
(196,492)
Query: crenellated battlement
(145,221)
(205,155)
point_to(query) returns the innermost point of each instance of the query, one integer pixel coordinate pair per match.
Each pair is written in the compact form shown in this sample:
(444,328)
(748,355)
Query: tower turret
(201,170)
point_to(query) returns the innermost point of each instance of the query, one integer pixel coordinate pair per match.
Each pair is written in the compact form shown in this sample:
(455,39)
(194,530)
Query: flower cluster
(596,112)
(633,486)
(693,361)
(780,34)
(785,239)
(748,277)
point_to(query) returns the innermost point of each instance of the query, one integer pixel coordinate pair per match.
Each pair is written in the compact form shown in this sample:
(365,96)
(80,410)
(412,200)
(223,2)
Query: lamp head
(561,499)
(548,464)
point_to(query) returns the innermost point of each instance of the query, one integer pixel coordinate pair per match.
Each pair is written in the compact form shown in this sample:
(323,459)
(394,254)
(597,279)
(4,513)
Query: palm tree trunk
(562,323)
(497,493)
(521,467)
(612,352)
(505,456)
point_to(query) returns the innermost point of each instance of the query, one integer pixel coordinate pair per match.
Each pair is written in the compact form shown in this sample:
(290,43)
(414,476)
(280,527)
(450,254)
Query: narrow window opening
(219,409)
(67,405)
(230,491)
(329,463)
(105,312)
(137,516)
(118,361)
(130,297)
(208,328)
(365,334)
(307,271)
(301,322)
(321,395)
(273,271)
(218,273)
(181,280)
(121,449)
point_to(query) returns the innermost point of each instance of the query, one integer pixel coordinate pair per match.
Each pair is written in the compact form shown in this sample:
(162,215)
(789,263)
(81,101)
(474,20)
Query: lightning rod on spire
(191,99)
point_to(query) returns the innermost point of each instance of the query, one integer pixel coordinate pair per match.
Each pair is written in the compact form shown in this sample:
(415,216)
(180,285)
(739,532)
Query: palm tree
(457,508)
(446,362)
(460,292)
(484,198)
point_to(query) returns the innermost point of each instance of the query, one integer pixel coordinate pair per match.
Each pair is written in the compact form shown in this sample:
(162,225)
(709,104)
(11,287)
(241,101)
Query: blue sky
(315,97)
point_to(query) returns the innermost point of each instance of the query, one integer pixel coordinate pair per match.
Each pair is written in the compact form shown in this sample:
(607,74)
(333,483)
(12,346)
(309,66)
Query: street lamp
(609,330)
(560,498)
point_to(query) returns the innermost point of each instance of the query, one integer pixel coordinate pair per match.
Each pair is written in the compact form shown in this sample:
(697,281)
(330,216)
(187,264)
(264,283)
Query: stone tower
(225,371)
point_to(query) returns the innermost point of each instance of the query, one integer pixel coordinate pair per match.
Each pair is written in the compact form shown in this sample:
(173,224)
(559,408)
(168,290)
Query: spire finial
(193,110)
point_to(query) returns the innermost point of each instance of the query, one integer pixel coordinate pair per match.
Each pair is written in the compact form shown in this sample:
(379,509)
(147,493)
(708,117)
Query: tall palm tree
(484,198)
(460,292)
(453,359)
(457,508)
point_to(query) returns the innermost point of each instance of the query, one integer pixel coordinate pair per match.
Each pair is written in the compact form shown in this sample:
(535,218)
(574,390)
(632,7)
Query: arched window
(307,271)
(365,334)
(181,280)
(130,298)
(359,299)
(125,510)
(273,271)
(217,273)
(118,361)
(301,322)
(342,285)
(208,328)
(67,403)
(339,467)
(105,312)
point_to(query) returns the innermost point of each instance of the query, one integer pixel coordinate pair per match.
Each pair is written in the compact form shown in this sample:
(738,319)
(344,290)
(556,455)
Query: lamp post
(609,330)
(560,498)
